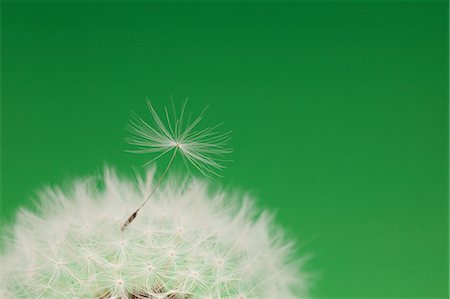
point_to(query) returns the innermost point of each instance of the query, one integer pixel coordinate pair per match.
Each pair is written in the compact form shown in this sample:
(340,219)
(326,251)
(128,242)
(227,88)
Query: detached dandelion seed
(204,149)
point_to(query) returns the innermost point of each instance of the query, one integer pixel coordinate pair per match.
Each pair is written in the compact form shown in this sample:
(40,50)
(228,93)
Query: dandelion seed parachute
(187,243)
(203,149)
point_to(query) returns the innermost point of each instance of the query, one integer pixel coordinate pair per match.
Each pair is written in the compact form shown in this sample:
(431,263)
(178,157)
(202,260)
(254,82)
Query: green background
(338,109)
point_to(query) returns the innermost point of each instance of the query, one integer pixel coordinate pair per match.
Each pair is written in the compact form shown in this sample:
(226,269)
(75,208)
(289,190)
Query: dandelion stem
(133,216)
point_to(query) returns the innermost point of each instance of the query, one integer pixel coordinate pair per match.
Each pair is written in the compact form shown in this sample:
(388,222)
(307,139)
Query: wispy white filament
(204,149)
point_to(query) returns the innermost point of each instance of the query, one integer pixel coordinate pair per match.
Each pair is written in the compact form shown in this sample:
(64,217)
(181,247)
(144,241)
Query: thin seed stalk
(134,214)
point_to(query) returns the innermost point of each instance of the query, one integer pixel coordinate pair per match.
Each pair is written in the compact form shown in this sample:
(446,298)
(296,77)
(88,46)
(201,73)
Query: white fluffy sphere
(185,243)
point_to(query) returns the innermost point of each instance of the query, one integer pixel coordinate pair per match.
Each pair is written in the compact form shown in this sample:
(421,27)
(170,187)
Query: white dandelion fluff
(204,149)
(187,243)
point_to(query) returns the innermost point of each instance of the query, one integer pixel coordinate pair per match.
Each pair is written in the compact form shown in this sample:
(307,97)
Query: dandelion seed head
(188,243)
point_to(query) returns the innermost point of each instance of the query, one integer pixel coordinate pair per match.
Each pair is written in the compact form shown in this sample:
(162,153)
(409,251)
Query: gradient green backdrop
(338,109)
